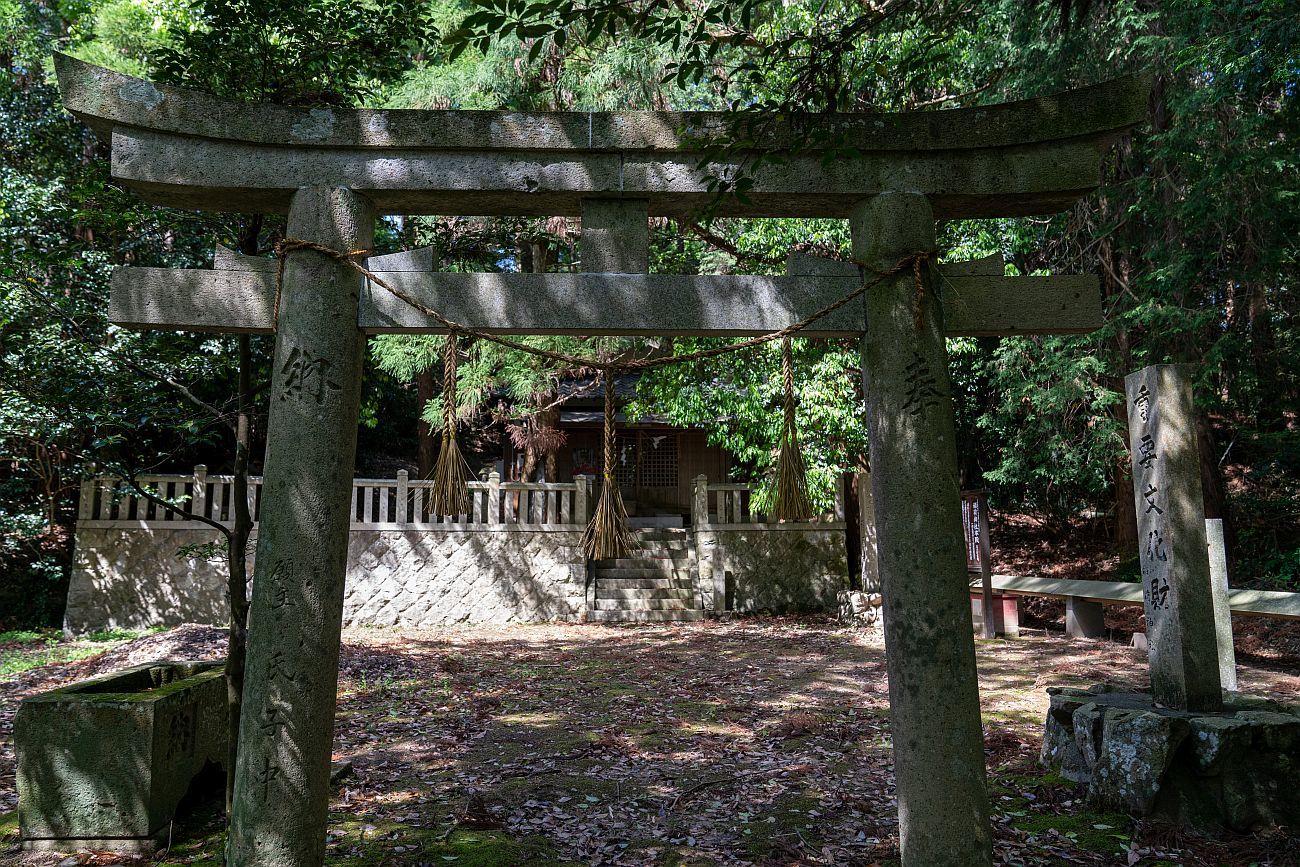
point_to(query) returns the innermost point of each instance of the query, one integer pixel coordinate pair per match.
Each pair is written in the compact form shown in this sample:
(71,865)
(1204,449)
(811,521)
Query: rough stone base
(1236,769)
(858,608)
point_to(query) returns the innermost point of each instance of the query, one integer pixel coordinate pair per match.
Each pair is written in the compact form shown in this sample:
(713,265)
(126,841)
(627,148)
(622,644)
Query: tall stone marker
(1181,640)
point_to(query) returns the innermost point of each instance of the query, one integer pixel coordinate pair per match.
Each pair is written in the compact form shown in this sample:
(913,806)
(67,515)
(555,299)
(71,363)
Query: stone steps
(644,582)
(692,615)
(653,592)
(678,546)
(644,574)
(644,604)
(653,583)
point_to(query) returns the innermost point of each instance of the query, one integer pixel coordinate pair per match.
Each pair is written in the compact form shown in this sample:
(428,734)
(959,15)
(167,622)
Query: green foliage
(1194,233)
(737,398)
(323,52)
(126,34)
(1057,443)
(50,648)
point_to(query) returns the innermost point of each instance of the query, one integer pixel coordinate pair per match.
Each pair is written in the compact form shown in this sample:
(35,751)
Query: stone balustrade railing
(378,504)
(726,506)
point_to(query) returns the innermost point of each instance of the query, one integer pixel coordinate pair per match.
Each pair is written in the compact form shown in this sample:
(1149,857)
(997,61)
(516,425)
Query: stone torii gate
(332,171)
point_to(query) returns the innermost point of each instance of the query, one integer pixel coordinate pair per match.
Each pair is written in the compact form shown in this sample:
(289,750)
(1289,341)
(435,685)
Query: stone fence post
(700,502)
(1219,601)
(870,555)
(581,500)
(199,495)
(86,503)
(494,498)
(403,495)
(707,567)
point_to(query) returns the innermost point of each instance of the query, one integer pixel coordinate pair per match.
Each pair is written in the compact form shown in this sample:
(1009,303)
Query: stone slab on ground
(1233,769)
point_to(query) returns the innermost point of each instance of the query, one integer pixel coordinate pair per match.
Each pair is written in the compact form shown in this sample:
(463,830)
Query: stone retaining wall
(131,578)
(772,568)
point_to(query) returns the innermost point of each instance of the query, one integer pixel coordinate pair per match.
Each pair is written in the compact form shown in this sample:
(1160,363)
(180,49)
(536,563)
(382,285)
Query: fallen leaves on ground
(735,742)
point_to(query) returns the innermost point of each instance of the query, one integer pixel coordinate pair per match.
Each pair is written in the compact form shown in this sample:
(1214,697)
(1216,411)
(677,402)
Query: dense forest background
(1194,233)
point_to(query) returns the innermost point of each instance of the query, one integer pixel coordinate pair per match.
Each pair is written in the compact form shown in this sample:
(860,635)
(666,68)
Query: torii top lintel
(194,150)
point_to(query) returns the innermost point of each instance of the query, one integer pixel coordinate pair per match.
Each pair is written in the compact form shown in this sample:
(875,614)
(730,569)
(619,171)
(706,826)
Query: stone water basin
(103,763)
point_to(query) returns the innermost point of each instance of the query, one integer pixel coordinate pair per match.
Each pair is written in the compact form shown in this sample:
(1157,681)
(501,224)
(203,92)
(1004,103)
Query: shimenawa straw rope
(608,535)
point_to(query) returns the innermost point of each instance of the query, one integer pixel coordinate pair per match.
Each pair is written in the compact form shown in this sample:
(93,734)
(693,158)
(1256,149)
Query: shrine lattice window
(646,460)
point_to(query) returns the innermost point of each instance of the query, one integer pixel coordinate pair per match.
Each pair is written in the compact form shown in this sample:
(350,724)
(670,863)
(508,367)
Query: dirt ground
(735,742)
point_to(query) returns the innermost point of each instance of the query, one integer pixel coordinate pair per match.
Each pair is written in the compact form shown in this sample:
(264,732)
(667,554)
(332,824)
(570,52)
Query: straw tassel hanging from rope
(791,502)
(450,494)
(608,536)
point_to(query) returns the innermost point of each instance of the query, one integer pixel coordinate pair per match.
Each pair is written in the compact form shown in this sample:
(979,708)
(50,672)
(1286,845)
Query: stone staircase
(655,582)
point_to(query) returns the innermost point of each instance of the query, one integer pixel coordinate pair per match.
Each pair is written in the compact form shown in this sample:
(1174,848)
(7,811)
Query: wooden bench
(1084,599)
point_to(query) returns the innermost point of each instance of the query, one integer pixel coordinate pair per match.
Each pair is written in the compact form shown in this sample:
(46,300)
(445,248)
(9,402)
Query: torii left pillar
(287,729)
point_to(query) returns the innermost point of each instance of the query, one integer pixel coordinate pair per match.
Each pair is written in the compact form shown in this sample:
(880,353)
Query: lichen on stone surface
(141,92)
(317,126)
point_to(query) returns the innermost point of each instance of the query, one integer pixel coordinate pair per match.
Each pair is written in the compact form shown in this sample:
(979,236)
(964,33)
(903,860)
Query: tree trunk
(427,444)
(1214,494)
(530,462)
(236,651)
(237,586)
(1263,355)
(547,421)
(1126,532)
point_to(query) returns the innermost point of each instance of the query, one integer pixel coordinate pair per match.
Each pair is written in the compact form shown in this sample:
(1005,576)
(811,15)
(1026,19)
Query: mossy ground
(26,649)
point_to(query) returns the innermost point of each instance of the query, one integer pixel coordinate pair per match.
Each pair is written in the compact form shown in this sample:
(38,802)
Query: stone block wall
(772,568)
(131,578)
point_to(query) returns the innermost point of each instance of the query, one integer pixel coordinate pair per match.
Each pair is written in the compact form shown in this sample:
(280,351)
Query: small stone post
(581,497)
(494,498)
(988,613)
(1222,607)
(1182,648)
(943,806)
(403,496)
(705,545)
(287,730)
(86,500)
(870,553)
(700,502)
(199,493)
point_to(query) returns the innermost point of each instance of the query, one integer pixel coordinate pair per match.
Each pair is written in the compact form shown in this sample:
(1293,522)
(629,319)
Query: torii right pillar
(938,744)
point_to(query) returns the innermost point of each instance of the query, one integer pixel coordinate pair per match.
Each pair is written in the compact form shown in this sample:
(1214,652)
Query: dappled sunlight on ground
(746,741)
